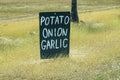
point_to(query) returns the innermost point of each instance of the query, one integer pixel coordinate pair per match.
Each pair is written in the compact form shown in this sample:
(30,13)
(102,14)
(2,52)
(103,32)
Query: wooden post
(74,13)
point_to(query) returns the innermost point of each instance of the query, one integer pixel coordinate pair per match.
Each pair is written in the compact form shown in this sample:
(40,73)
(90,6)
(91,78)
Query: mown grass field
(14,9)
(94,49)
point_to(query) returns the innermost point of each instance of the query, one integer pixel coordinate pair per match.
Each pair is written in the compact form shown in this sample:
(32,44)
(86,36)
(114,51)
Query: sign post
(54,34)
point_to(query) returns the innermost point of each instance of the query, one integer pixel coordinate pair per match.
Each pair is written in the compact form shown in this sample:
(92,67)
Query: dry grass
(16,9)
(94,50)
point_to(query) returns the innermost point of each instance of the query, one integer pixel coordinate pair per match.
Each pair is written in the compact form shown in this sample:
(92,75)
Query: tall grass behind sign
(54,34)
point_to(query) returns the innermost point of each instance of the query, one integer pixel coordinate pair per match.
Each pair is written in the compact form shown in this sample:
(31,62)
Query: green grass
(94,50)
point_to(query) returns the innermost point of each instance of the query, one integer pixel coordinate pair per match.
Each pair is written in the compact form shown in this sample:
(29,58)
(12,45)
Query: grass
(94,50)
(19,9)
(94,46)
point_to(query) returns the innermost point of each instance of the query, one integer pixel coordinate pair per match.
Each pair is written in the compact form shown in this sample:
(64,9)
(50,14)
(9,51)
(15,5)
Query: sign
(54,34)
